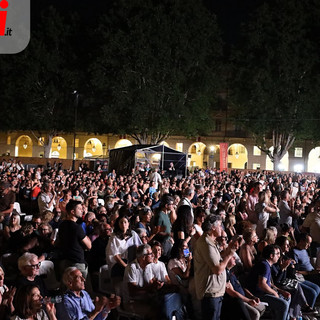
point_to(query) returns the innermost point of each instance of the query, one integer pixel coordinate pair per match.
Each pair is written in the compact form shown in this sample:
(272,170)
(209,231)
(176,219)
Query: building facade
(202,151)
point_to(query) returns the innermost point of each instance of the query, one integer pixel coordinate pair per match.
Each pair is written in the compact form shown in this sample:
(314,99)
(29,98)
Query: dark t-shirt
(235,282)
(7,200)
(70,236)
(38,281)
(261,269)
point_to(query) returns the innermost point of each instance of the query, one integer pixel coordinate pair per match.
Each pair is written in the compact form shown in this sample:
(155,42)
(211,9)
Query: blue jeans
(278,306)
(211,308)
(311,292)
(172,305)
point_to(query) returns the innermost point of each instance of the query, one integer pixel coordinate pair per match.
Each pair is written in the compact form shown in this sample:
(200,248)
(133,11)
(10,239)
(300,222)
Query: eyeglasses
(44,229)
(34,266)
(149,254)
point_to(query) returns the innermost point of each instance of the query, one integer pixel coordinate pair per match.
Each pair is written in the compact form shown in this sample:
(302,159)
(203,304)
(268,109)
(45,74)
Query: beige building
(202,151)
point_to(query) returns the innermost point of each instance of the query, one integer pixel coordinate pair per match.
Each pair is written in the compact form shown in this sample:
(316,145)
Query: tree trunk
(47,146)
(276,162)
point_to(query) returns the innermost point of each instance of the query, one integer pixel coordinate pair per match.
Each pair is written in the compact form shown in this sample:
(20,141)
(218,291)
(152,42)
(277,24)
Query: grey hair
(142,250)
(210,221)
(67,275)
(26,259)
(188,191)
(140,231)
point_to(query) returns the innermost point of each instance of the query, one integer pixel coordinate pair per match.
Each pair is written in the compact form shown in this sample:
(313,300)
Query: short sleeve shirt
(71,235)
(158,271)
(206,256)
(261,269)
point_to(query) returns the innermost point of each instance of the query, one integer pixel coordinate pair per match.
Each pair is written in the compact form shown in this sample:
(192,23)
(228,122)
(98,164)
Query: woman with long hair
(183,228)
(263,210)
(248,251)
(121,246)
(28,305)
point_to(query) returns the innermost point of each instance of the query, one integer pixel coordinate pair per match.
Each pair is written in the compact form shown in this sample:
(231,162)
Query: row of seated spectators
(145,227)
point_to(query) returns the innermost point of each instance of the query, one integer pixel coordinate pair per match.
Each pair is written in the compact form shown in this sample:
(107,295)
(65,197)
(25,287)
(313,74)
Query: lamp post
(76,103)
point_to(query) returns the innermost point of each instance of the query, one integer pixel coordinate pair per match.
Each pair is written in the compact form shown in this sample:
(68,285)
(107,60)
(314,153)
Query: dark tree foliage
(40,81)
(275,78)
(158,68)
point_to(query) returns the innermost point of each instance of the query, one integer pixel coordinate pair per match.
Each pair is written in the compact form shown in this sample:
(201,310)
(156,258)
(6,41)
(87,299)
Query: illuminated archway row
(200,155)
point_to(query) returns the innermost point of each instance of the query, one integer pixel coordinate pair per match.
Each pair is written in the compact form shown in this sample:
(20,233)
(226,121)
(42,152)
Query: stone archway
(314,160)
(93,148)
(122,143)
(237,156)
(24,146)
(58,148)
(195,154)
(212,156)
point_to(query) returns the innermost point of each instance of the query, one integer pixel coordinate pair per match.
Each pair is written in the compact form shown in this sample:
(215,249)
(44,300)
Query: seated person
(28,305)
(301,256)
(179,265)
(244,304)
(77,303)
(260,284)
(310,289)
(6,298)
(158,268)
(29,266)
(138,294)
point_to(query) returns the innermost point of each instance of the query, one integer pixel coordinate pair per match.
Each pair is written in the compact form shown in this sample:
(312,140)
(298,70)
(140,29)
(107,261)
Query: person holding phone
(179,265)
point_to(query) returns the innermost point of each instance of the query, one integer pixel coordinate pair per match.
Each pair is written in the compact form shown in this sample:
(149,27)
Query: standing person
(252,201)
(210,268)
(156,177)
(263,210)
(188,195)
(285,209)
(47,198)
(121,247)
(7,199)
(73,240)
(162,220)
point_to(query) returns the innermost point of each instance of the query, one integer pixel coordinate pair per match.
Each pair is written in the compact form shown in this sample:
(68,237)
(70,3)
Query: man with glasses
(138,293)
(259,282)
(210,268)
(77,303)
(29,266)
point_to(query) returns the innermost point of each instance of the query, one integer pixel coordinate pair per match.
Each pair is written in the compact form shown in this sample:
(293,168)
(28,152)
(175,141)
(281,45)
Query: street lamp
(76,103)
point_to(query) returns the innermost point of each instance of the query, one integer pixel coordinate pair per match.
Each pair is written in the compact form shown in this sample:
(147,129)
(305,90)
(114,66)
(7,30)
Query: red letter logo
(3,16)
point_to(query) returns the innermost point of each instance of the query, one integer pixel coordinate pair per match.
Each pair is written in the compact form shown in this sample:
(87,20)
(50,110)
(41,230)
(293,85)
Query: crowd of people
(178,246)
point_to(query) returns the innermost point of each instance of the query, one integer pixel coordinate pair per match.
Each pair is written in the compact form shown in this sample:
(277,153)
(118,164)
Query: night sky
(230,12)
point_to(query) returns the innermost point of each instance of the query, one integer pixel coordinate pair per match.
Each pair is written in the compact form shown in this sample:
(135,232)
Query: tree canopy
(158,68)
(40,81)
(275,75)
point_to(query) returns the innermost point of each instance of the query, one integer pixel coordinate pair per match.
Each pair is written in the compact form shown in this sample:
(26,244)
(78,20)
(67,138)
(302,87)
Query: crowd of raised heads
(157,237)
